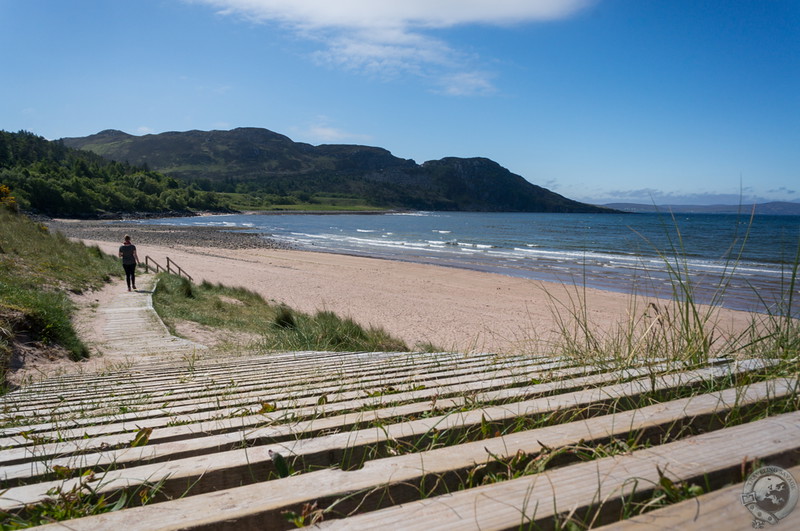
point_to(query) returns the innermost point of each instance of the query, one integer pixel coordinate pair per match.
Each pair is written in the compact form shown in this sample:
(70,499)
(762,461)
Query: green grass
(316,203)
(37,271)
(78,502)
(334,206)
(277,326)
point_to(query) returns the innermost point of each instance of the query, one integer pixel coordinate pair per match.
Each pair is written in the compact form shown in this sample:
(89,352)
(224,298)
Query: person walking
(127,251)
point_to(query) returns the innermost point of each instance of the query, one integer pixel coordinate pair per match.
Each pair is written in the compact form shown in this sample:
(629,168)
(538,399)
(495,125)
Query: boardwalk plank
(387,439)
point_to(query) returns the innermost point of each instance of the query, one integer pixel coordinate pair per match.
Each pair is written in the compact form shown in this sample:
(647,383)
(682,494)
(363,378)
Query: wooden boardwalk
(384,439)
(397,440)
(132,327)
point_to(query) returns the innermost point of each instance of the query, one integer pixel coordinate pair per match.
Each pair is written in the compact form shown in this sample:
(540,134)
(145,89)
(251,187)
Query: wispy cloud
(466,83)
(394,38)
(783,191)
(321,131)
(650,196)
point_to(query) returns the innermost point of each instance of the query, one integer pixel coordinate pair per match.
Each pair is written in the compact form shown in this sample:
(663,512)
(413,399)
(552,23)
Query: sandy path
(451,308)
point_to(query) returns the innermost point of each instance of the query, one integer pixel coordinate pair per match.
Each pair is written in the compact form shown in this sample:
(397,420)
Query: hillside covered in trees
(269,170)
(49,178)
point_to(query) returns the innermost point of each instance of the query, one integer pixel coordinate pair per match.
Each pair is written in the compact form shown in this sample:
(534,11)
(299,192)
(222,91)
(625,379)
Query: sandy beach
(451,308)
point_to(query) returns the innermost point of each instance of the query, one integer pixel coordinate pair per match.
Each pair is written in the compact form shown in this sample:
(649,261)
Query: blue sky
(667,101)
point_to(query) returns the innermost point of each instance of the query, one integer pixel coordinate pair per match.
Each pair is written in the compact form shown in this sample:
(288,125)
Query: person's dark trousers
(130,274)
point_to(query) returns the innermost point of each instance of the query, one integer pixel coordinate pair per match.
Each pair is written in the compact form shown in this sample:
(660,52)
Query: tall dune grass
(680,328)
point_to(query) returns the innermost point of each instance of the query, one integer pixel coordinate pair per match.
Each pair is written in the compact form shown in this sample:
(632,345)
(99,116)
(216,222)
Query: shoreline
(616,259)
(452,308)
(161,235)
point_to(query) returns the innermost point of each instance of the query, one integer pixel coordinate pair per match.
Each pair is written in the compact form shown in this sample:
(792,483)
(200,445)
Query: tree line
(48,178)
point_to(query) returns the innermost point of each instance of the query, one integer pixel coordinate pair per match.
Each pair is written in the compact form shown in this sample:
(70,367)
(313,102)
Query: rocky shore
(164,235)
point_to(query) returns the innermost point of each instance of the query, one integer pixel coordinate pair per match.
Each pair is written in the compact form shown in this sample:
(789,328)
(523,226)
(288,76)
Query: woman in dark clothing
(127,251)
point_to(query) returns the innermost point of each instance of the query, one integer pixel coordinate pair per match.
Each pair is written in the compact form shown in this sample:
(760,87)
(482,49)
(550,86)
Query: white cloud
(144,130)
(316,14)
(392,38)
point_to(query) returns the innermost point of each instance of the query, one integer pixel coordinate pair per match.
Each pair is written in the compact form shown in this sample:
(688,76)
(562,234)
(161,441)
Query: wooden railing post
(178,269)
(156,266)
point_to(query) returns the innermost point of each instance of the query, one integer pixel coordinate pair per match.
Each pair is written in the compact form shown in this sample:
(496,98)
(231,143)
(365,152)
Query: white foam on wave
(417,214)
(212,224)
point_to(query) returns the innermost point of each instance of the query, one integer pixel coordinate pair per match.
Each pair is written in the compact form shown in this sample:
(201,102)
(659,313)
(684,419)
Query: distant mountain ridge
(258,160)
(775,208)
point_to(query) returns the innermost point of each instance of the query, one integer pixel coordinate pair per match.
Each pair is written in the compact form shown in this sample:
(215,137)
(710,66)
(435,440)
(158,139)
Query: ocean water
(641,253)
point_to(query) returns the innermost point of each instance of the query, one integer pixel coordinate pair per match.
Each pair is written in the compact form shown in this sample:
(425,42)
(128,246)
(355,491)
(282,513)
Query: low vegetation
(276,326)
(38,270)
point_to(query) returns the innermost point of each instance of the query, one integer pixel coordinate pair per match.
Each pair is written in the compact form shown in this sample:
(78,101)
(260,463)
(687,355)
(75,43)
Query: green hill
(271,167)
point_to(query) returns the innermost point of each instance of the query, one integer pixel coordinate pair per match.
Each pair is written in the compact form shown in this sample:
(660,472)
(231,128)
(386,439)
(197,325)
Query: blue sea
(642,253)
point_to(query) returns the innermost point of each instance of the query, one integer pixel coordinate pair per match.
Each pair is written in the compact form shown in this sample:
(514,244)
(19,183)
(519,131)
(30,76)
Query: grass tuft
(279,326)
(284,318)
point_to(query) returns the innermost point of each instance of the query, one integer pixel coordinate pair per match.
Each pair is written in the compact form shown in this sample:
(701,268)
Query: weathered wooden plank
(39,459)
(64,426)
(500,506)
(197,425)
(198,385)
(297,364)
(267,370)
(160,372)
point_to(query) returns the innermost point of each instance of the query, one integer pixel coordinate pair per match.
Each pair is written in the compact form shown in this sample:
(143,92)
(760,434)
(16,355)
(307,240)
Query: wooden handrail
(169,269)
(181,272)
(156,265)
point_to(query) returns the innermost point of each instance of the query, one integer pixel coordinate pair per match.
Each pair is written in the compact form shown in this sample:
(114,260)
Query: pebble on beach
(165,235)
